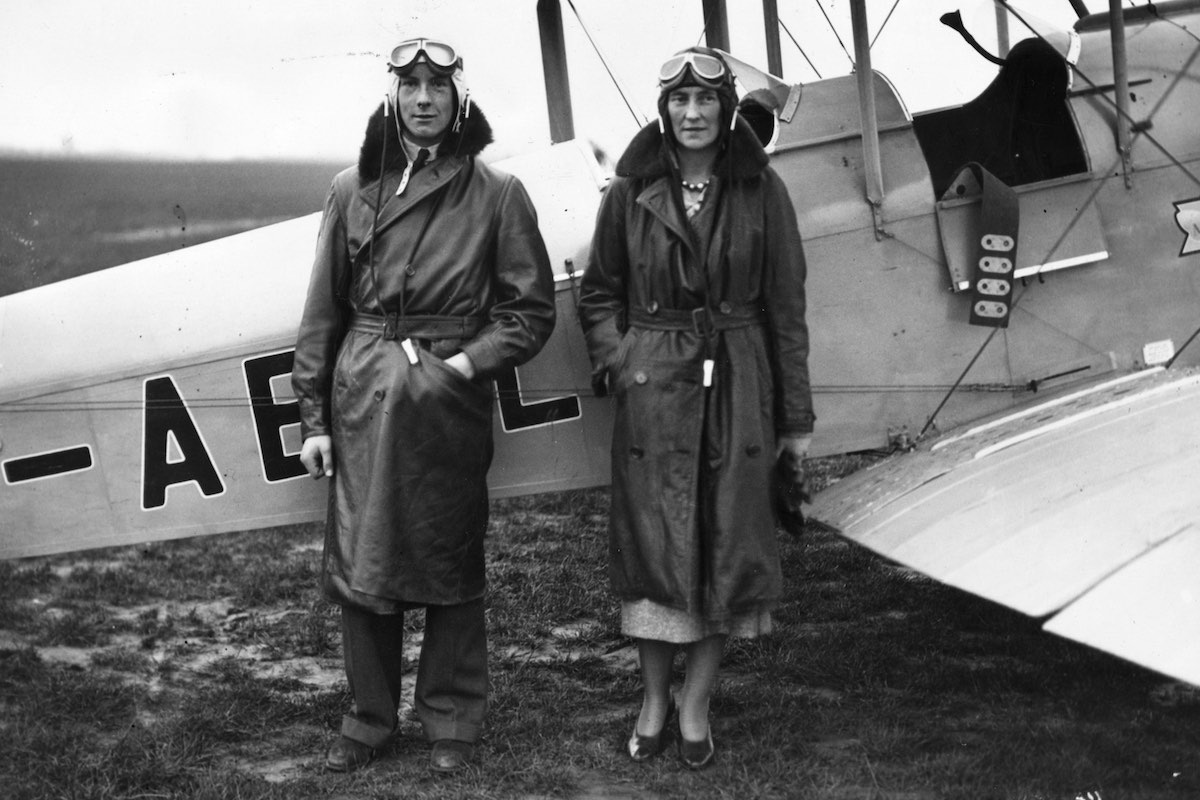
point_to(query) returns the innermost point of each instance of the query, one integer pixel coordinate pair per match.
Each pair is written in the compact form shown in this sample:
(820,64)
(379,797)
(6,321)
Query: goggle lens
(439,54)
(705,67)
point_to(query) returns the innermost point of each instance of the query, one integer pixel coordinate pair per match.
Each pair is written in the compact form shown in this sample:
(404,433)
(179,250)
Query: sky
(247,79)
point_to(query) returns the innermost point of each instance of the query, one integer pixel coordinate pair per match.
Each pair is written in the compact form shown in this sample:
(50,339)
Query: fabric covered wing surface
(1074,504)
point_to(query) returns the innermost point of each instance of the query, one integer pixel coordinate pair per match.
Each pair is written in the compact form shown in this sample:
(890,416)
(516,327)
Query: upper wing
(1082,509)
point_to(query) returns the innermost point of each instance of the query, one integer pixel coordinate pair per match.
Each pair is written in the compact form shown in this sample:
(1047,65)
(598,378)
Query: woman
(693,307)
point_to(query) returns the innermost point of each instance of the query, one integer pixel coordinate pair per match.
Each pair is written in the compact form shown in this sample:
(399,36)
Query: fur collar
(647,156)
(471,139)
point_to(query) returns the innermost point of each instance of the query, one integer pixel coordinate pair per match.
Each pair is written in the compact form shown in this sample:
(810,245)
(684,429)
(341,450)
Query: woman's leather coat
(692,525)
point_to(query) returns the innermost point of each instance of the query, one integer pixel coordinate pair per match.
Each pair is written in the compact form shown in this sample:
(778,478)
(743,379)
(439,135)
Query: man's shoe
(450,755)
(347,755)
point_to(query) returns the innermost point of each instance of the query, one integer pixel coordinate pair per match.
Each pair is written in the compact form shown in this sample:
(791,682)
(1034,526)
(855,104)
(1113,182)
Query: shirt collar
(411,149)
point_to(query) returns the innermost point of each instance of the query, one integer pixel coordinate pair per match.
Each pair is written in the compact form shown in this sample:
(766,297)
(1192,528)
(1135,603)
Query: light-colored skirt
(645,619)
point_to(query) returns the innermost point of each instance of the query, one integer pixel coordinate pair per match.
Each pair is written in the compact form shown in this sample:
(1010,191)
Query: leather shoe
(347,755)
(697,755)
(643,748)
(450,755)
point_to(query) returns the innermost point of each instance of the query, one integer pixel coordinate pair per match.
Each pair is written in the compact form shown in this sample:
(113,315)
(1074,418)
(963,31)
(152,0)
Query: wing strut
(554,65)
(872,166)
(1002,44)
(1116,30)
(716,24)
(771,31)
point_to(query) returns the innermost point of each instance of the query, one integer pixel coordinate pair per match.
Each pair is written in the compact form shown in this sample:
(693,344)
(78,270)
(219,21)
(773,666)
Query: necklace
(696,187)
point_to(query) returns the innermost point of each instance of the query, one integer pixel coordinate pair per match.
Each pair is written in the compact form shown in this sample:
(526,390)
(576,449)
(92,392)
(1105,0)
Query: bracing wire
(637,117)
(836,35)
(811,65)
(885,22)
(139,405)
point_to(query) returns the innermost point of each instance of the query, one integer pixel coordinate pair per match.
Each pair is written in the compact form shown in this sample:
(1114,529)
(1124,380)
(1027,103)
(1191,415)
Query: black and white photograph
(600,400)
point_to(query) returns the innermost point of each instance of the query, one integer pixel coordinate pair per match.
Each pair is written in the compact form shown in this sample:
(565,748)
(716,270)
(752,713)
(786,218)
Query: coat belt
(417,326)
(703,320)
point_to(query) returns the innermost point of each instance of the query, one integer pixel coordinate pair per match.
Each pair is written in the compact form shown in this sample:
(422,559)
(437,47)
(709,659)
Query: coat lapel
(656,198)
(420,187)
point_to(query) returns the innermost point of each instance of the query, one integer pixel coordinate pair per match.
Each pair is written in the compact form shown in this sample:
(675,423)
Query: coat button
(409,271)
(753,450)
(636,452)
(640,377)
(379,395)
(652,307)
(725,307)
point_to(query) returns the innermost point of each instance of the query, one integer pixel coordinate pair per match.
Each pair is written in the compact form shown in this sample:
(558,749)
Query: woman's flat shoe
(697,755)
(642,748)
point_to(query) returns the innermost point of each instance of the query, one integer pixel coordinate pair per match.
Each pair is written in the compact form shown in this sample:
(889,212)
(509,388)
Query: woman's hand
(796,446)
(316,454)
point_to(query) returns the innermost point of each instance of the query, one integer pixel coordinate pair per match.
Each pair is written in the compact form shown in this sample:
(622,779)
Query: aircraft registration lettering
(50,464)
(174,450)
(517,415)
(272,418)
(168,425)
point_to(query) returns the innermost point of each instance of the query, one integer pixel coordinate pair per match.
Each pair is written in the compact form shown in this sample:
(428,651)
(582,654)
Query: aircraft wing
(153,400)
(1081,508)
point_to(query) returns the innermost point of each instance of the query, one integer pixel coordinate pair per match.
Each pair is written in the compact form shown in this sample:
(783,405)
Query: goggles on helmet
(440,56)
(707,69)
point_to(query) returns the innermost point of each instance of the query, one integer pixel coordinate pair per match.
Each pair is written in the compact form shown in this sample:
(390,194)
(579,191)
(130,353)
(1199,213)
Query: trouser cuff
(458,731)
(371,735)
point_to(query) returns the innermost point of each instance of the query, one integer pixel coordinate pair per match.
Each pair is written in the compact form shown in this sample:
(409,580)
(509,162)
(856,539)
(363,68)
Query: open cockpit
(1020,128)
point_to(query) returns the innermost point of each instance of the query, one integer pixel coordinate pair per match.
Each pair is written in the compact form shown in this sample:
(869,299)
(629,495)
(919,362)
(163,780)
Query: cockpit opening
(1020,128)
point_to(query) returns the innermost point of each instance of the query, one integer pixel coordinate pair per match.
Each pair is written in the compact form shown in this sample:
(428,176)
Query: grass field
(211,668)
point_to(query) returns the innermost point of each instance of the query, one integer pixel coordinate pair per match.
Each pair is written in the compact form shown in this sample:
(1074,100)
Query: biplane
(1003,292)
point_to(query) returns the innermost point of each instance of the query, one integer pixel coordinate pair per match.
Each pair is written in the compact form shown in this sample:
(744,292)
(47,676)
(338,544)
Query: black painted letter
(167,416)
(271,417)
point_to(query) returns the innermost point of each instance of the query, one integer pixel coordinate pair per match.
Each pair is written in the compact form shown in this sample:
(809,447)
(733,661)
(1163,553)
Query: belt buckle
(702,322)
(391,327)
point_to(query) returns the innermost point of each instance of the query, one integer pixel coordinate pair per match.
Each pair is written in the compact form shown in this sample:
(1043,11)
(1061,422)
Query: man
(430,278)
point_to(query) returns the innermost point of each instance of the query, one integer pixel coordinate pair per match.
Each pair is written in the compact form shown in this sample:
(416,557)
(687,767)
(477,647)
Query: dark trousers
(451,691)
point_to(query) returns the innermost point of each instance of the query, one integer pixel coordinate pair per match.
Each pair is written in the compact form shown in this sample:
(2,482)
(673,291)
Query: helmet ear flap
(462,94)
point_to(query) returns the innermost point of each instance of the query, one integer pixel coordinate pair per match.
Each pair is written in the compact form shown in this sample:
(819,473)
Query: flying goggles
(708,70)
(440,57)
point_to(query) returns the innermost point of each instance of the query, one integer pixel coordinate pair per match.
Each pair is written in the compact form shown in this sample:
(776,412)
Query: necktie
(420,161)
(411,169)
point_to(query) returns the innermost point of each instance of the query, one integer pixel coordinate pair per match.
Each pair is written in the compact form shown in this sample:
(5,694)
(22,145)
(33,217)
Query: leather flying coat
(692,526)
(461,265)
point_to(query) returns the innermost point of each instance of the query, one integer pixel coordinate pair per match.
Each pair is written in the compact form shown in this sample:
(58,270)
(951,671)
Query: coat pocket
(455,379)
(659,410)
